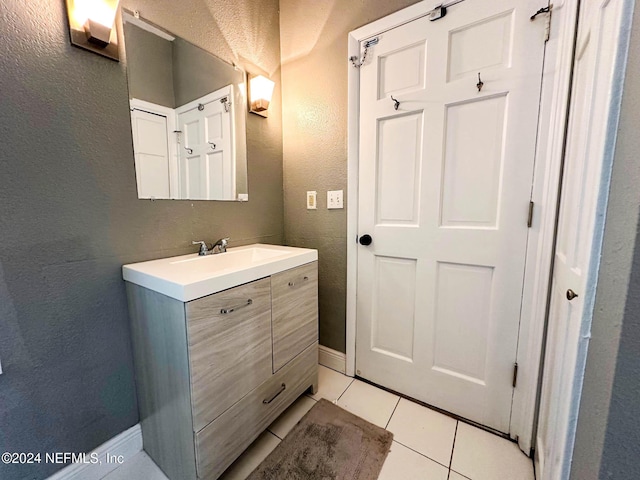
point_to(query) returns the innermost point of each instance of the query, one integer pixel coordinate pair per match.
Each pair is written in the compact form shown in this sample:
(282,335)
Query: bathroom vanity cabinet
(212,373)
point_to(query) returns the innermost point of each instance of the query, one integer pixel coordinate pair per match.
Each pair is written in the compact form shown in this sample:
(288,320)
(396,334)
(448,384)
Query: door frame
(612,48)
(548,161)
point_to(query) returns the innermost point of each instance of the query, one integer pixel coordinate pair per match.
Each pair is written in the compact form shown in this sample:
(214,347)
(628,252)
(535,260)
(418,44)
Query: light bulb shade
(97,33)
(91,25)
(260,93)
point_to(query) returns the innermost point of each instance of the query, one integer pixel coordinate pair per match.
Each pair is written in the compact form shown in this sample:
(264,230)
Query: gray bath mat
(329,443)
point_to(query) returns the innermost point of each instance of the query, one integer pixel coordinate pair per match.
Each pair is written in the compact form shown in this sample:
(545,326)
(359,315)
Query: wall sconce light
(260,93)
(91,26)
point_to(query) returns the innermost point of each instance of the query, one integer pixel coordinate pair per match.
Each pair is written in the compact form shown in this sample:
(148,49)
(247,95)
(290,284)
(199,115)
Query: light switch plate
(334,199)
(312,203)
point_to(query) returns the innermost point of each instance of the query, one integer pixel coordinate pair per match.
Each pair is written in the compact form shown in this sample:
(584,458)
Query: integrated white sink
(188,277)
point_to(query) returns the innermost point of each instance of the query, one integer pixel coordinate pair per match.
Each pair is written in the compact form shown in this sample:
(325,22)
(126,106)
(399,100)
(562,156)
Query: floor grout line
(458,473)
(394,411)
(345,390)
(453,447)
(419,453)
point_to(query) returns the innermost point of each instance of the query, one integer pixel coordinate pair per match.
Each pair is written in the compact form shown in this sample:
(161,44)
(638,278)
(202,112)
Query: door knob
(571,294)
(365,240)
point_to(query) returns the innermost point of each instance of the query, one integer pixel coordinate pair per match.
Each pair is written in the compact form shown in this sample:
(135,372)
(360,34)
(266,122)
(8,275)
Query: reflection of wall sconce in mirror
(91,26)
(260,92)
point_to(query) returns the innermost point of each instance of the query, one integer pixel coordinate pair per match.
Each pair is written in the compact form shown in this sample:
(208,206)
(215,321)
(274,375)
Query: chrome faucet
(204,250)
(221,246)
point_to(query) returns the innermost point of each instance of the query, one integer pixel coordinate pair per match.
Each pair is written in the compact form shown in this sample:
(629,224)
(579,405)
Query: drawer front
(295,312)
(220,443)
(229,336)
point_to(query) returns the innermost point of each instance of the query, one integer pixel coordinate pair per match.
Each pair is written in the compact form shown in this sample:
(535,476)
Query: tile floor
(426,446)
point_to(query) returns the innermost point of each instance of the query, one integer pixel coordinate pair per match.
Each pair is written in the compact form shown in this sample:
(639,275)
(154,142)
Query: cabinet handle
(293,284)
(282,389)
(236,307)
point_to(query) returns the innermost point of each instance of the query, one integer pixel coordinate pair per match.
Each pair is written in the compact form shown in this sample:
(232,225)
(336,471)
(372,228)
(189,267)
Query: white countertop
(188,277)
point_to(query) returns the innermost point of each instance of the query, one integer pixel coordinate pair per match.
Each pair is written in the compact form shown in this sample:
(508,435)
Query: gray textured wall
(608,432)
(70,217)
(314,77)
(196,73)
(620,454)
(149,66)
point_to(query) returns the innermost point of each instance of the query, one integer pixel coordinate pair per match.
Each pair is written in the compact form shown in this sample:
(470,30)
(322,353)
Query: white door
(444,190)
(578,244)
(151,147)
(207,166)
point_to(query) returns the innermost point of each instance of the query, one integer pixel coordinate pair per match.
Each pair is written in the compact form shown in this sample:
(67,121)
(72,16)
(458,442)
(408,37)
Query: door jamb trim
(545,193)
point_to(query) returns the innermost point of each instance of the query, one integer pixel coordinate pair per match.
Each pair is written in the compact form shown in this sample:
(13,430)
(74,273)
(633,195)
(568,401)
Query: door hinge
(547,22)
(547,26)
(530,215)
(515,374)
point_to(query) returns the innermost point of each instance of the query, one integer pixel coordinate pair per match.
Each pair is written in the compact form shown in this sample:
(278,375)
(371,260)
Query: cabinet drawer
(220,443)
(294,312)
(229,336)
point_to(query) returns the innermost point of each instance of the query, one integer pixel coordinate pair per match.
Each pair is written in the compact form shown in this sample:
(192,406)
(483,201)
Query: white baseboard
(332,359)
(127,444)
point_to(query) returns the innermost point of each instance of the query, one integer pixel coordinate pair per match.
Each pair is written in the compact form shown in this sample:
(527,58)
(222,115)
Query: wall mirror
(188,117)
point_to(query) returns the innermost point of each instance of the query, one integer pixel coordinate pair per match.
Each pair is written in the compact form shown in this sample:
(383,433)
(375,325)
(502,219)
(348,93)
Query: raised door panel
(192,168)
(229,335)
(393,307)
(402,70)
(473,159)
(398,170)
(217,132)
(294,311)
(461,343)
(482,45)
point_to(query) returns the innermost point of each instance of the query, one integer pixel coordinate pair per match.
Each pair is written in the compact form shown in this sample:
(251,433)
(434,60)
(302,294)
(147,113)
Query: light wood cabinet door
(294,312)
(221,442)
(229,335)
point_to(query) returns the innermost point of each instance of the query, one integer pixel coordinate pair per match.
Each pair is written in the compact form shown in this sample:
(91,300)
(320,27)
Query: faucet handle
(221,244)
(203,247)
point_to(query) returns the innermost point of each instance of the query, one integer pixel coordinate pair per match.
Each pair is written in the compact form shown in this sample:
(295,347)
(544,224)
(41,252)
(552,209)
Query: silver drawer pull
(236,307)
(282,389)
(293,284)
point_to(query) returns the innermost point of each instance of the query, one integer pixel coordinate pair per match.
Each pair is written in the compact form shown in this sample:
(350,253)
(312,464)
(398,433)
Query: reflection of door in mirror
(182,152)
(206,166)
(151,127)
